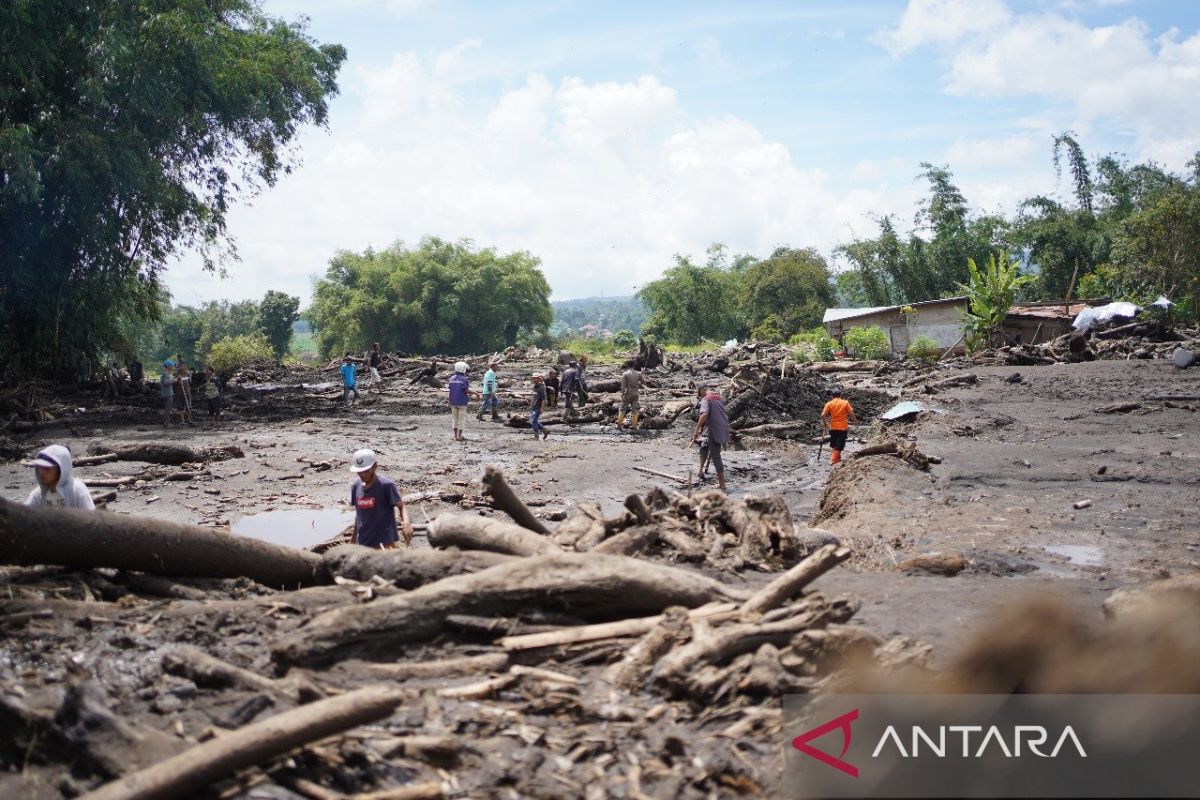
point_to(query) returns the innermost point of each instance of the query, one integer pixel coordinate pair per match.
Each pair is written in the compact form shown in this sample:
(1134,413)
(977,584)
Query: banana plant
(990,294)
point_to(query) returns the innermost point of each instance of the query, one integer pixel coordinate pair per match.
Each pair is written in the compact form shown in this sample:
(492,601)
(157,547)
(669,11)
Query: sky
(604,138)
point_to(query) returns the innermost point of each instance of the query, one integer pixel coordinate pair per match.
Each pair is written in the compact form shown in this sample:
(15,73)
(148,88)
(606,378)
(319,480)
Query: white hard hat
(461,366)
(363,460)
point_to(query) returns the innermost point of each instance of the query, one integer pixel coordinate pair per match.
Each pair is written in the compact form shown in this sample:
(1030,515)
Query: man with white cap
(57,486)
(373,497)
(460,393)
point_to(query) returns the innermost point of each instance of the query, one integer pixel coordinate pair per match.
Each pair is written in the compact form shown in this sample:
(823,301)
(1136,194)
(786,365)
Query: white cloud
(942,22)
(1118,75)
(1002,153)
(602,180)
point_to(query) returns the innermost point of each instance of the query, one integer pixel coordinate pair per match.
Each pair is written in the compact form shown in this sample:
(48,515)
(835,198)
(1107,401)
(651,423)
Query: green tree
(234,352)
(870,343)
(440,297)
(990,294)
(126,132)
(691,302)
(276,314)
(791,285)
(1157,249)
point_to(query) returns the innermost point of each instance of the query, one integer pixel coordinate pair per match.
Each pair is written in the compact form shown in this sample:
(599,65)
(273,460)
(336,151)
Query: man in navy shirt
(460,391)
(373,497)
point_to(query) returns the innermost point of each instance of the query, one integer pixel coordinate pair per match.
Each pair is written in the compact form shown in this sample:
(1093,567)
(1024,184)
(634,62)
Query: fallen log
(729,641)
(968,379)
(111,483)
(777,428)
(507,501)
(881,449)
(209,672)
(674,627)
(844,366)
(713,612)
(1118,408)
(169,454)
(589,585)
(429,790)
(792,582)
(73,538)
(628,542)
(447,668)
(207,763)
(407,569)
(87,461)
(480,533)
(637,505)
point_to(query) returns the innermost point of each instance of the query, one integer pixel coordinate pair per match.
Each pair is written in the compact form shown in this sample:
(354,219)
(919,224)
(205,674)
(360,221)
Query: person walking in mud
(713,417)
(374,359)
(166,384)
(551,381)
(836,417)
(581,386)
(459,387)
(570,384)
(376,500)
(491,397)
(183,381)
(535,406)
(349,381)
(211,392)
(631,387)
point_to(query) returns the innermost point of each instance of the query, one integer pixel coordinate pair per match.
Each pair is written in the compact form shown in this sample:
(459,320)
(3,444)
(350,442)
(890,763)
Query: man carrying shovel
(836,417)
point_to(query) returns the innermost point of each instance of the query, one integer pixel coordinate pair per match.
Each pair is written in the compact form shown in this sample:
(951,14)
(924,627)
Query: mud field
(1052,484)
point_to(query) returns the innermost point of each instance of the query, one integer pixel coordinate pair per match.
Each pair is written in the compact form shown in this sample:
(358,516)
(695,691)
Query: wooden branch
(73,538)
(881,449)
(588,585)
(674,626)
(479,690)
(207,763)
(205,670)
(713,612)
(418,791)
(505,499)
(792,582)
(446,668)
(480,533)
(658,474)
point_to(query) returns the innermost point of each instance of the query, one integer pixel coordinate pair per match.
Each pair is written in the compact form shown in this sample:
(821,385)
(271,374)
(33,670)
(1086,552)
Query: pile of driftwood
(505,663)
(1142,340)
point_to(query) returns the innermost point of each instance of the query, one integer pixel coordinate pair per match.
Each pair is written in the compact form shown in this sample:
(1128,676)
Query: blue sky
(605,137)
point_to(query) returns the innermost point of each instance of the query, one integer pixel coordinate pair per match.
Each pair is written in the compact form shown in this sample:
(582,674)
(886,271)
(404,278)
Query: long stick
(608,630)
(658,474)
(207,763)
(792,582)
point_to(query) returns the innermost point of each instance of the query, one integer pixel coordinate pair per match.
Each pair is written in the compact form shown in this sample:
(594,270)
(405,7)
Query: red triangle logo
(842,723)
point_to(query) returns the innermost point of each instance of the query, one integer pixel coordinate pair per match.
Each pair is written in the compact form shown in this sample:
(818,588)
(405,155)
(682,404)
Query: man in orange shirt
(836,416)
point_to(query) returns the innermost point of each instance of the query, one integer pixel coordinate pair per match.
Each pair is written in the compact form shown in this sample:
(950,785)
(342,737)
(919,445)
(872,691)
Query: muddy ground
(1019,450)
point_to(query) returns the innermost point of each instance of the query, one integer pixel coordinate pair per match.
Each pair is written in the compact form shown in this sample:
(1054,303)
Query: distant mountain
(605,313)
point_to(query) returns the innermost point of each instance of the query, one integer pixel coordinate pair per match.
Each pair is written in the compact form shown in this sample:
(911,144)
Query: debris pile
(541,662)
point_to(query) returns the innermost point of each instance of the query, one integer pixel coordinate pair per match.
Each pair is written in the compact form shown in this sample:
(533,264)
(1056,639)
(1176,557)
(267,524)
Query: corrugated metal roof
(1048,311)
(836,314)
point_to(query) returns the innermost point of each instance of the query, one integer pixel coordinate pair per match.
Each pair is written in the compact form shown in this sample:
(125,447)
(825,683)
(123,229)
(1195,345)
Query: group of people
(175,385)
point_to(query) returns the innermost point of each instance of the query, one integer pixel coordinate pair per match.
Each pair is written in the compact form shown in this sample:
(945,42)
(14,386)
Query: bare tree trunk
(590,585)
(481,533)
(86,539)
(507,501)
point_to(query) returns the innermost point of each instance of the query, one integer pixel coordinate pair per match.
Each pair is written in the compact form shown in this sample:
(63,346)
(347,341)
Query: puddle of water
(295,527)
(1078,554)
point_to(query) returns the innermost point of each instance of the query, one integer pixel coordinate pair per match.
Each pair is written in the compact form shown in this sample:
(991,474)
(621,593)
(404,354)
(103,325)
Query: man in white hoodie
(57,487)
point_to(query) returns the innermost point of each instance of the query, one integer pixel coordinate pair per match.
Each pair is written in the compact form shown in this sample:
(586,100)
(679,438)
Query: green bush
(924,348)
(769,330)
(624,340)
(234,352)
(816,345)
(868,343)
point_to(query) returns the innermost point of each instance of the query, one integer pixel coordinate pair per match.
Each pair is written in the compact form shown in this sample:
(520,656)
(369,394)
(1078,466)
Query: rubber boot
(633,423)
(479,416)
(621,420)
(835,456)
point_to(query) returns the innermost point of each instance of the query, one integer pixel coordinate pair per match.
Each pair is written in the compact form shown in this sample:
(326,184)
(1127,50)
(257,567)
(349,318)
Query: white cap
(363,460)
(43,460)
(460,366)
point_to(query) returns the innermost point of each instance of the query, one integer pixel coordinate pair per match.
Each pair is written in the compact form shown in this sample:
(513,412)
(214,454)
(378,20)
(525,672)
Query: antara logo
(843,722)
(1022,738)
